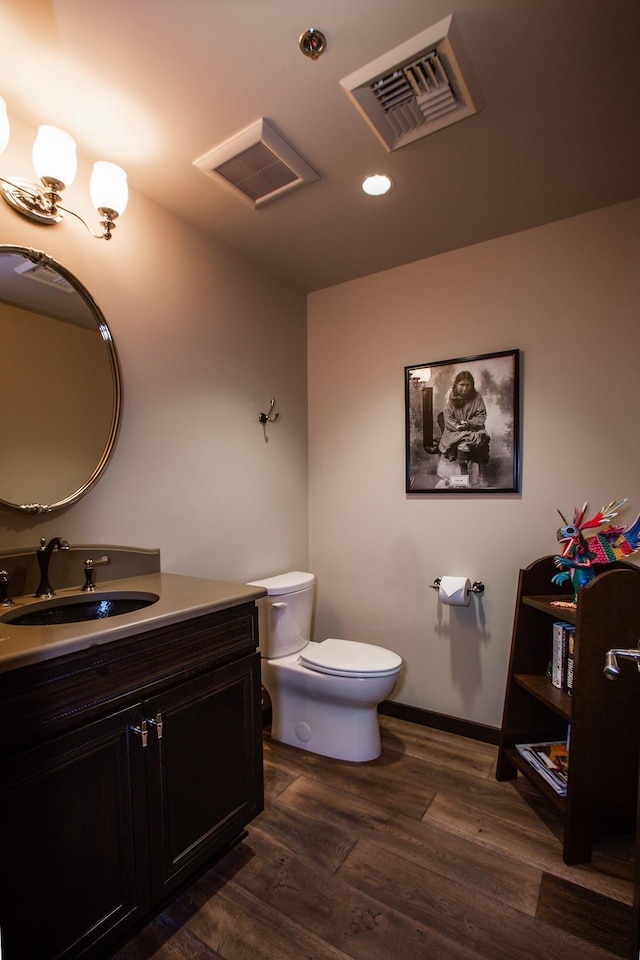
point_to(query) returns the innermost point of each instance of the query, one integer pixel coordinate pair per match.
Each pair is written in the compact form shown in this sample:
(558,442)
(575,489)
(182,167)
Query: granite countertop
(181,598)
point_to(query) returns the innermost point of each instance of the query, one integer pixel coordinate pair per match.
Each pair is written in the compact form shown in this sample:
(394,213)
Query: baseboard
(439,721)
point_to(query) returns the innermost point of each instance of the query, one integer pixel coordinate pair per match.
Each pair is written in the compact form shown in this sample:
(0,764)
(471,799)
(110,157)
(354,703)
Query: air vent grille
(44,274)
(257,172)
(257,164)
(417,88)
(417,94)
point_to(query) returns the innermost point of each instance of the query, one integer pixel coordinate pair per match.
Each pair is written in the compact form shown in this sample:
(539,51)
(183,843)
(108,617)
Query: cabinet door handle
(142,730)
(158,724)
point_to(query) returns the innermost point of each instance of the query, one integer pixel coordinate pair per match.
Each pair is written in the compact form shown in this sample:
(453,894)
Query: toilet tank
(284,615)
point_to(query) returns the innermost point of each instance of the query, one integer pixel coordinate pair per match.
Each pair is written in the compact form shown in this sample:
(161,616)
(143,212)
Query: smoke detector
(421,86)
(257,165)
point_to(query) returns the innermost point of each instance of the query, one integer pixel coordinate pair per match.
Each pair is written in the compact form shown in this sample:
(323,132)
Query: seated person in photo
(465,416)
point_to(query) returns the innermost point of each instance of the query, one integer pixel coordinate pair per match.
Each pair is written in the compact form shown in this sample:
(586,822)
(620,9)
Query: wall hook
(265,418)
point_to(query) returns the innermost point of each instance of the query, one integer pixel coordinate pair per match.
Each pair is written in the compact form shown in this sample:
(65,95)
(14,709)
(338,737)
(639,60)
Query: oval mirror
(60,385)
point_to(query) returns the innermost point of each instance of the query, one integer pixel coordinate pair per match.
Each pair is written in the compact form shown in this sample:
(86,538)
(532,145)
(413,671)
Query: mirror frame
(39,257)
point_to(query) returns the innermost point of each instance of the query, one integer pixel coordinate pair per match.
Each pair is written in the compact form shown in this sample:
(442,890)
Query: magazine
(550,760)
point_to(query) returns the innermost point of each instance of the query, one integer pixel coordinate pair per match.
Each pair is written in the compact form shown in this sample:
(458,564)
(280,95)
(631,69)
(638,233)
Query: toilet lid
(349,658)
(285,583)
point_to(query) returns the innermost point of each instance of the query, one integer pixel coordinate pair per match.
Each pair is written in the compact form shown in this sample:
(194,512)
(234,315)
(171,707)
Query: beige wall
(567,296)
(204,339)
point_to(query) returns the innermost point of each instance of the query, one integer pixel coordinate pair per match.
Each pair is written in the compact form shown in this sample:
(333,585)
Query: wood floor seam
(418,855)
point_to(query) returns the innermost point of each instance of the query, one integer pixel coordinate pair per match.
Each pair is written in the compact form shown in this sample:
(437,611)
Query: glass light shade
(54,155)
(4,125)
(377,184)
(108,187)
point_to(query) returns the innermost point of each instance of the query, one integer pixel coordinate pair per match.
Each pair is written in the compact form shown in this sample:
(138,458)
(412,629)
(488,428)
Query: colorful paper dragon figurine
(580,554)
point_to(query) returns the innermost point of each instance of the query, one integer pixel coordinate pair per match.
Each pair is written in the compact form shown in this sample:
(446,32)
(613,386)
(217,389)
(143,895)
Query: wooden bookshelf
(604,716)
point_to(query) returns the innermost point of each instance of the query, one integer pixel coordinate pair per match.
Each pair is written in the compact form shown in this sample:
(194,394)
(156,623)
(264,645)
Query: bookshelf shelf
(540,686)
(604,717)
(528,771)
(550,605)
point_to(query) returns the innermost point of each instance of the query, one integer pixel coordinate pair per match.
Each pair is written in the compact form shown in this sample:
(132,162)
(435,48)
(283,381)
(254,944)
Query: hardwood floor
(419,855)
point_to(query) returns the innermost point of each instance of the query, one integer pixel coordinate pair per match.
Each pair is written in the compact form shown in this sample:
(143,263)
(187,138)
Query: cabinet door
(71,816)
(204,766)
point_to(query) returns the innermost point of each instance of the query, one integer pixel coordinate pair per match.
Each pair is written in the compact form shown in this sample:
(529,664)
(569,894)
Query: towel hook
(265,418)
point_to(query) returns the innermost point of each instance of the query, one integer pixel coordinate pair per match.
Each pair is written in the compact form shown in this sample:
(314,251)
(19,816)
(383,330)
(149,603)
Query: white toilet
(323,695)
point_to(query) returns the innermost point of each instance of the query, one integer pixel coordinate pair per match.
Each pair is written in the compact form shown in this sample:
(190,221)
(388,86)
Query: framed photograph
(463,425)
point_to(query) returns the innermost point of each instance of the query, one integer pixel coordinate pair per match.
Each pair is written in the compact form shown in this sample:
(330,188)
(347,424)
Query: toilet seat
(349,658)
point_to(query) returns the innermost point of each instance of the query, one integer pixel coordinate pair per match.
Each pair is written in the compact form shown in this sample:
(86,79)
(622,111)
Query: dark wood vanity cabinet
(135,764)
(72,815)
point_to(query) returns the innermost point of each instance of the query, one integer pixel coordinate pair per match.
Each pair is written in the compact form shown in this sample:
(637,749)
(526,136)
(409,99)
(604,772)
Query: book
(570,648)
(549,759)
(559,655)
(562,655)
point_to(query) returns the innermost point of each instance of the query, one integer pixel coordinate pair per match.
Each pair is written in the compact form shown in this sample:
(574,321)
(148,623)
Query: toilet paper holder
(476,587)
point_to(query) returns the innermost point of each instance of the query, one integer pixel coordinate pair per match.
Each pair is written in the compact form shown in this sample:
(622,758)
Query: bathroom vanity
(131,757)
(130,744)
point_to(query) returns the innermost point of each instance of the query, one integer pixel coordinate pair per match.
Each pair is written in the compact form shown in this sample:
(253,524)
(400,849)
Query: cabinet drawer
(44,700)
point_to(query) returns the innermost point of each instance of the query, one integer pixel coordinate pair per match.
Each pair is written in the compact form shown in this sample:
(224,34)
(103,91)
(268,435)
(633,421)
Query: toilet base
(356,739)
(332,716)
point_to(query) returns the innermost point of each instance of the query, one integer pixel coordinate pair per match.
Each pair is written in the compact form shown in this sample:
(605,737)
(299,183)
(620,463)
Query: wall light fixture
(55,163)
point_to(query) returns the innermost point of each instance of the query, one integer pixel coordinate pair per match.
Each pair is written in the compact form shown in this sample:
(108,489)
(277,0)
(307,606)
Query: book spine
(558,658)
(570,647)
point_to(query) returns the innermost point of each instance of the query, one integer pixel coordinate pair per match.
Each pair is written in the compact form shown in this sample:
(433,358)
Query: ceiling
(155,84)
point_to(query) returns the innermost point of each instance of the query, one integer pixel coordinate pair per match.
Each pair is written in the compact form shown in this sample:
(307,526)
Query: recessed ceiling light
(377,184)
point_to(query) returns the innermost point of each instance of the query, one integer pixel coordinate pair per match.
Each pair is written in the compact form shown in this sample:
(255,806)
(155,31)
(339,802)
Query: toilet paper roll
(455,591)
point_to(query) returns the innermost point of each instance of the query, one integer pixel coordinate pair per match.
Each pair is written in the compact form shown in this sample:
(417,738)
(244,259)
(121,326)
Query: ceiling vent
(421,86)
(44,274)
(257,165)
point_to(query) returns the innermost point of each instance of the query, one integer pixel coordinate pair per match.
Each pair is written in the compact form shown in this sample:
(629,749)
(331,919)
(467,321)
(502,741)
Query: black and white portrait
(462,424)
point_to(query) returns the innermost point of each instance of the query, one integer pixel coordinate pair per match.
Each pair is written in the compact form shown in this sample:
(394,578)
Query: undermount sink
(75,609)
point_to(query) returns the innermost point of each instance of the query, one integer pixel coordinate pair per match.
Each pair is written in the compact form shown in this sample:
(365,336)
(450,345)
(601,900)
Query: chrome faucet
(43,556)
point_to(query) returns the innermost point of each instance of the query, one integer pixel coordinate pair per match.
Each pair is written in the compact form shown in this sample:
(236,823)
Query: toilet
(324,695)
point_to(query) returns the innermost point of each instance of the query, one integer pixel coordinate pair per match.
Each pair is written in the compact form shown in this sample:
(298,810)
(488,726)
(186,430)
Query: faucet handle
(88,571)
(5,599)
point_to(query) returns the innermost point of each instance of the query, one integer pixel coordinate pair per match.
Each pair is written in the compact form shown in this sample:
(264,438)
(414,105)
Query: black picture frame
(480,454)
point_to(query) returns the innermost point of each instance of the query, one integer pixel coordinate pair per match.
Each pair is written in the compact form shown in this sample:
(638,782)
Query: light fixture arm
(107,222)
(43,205)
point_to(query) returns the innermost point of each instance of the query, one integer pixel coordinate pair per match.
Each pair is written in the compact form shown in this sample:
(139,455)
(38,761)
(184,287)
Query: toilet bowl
(324,695)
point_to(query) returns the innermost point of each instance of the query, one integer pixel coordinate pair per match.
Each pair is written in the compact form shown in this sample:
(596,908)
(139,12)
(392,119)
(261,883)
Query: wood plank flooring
(419,855)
